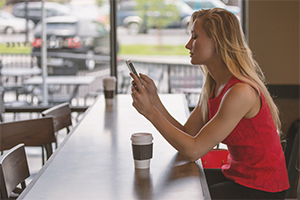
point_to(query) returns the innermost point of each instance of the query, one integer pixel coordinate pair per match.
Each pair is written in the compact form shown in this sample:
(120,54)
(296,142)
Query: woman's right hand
(150,86)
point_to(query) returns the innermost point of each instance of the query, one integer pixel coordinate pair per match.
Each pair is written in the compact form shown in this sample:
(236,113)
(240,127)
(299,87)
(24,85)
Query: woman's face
(202,48)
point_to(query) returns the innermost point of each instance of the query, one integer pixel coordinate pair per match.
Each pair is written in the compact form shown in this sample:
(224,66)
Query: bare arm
(195,120)
(239,101)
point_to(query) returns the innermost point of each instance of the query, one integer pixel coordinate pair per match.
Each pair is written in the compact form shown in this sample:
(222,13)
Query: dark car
(34,10)
(69,35)
(129,17)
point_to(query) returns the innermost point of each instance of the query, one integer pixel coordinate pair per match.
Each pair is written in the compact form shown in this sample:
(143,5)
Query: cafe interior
(69,150)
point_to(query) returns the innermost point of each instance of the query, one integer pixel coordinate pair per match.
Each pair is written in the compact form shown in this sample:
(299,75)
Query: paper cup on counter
(109,87)
(142,149)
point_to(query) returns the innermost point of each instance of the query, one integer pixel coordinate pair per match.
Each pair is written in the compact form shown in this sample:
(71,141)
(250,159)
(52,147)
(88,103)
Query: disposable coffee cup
(142,148)
(109,85)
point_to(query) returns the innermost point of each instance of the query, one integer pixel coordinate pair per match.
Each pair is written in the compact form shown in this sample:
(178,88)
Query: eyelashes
(194,36)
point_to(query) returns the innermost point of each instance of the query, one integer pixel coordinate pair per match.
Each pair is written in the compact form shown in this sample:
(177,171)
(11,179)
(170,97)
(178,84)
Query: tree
(158,14)
(100,2)
(2,3)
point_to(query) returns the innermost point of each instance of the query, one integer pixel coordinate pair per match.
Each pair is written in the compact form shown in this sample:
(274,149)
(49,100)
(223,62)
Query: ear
(216,45)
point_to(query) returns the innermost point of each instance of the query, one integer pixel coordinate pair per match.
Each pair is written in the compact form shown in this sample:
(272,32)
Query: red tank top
(256,159)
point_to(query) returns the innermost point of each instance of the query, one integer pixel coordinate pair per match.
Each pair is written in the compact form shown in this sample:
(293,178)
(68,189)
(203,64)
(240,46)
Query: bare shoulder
(242,98)
(243,91)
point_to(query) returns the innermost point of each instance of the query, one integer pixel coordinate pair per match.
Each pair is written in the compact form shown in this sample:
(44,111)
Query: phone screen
(132,69)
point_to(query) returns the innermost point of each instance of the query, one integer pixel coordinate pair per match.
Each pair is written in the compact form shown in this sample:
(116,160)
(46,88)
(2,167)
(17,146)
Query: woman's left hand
(141,100)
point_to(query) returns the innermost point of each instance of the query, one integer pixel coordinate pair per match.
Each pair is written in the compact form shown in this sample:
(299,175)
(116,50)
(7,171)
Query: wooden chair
(292,167)
(34,133)
(283,145)
(298,168)
(13,171)
(61,115)
(2,109)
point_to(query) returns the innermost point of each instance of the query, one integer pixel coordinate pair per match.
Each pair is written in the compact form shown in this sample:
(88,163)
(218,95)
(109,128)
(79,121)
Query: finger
(144,78)
(133,89)
(136,81)
(133,84)
(133,97)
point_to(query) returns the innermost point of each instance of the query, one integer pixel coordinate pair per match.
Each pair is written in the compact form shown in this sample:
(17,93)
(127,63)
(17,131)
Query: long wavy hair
(224,27)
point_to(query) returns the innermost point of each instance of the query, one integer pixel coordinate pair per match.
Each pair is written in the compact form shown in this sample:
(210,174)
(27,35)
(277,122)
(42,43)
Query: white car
(10,24)
(207,4)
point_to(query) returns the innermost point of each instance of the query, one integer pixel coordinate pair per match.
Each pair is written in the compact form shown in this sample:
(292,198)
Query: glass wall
(152,33)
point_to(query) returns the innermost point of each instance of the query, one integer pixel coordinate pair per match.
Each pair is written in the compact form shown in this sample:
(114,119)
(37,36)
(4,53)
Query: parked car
(84,11)
(129,17)
(207,4)
(35,10)
(10,24)
(69,34)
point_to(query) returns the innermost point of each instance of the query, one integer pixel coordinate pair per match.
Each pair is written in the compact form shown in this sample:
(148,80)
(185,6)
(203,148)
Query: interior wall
(273,36)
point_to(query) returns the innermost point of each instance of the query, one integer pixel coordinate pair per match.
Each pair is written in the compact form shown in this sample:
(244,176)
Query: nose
(188,45)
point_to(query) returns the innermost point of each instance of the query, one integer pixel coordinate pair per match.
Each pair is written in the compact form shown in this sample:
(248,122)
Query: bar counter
(95,160)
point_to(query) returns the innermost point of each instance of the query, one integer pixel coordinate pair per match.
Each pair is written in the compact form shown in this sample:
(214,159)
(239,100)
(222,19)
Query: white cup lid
(141,138)
(109,83)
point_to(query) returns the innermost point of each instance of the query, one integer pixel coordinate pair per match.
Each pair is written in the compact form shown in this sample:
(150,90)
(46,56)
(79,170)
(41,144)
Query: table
(19,71)
(95,160)
(61,80)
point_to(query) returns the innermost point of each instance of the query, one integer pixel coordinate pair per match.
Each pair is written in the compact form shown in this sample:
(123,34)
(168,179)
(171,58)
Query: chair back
(293,173)
(2,109)
(298,168)
(13,170)
(283,145)
(298,160)
(61,115)
(33,132)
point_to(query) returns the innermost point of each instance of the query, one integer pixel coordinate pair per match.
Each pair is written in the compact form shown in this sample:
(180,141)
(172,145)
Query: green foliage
(153,50)
(99,2)
(15,49)
(2,3)
(157,13)
(124,49)
(57,1)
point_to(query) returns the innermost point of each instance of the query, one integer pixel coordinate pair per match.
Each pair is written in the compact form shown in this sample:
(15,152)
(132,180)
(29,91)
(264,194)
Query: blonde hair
(224,27)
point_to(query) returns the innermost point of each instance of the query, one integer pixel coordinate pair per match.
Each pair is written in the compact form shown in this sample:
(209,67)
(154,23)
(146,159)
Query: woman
(234,108)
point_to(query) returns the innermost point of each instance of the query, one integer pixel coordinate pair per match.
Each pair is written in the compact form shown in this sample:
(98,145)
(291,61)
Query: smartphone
(132,69)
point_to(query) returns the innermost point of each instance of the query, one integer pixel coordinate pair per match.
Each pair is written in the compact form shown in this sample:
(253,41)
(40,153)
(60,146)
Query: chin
(193,62)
